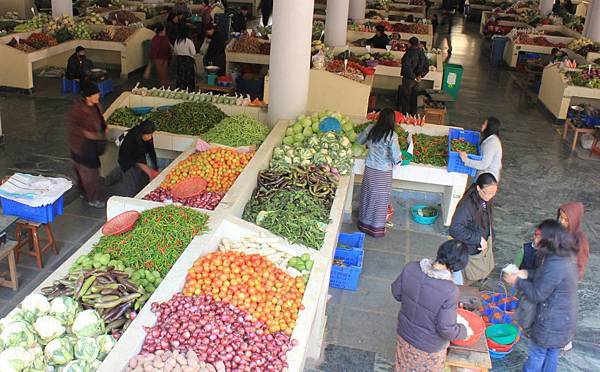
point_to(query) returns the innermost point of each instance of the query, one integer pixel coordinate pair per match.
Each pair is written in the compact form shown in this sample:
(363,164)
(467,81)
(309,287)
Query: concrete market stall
(422,177)
(557,93)
(168,145)
(512,49)
(18,66)
(426,38)
(389,77)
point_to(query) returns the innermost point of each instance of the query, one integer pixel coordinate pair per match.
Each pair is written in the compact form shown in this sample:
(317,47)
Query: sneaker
(568,347)
(97,204)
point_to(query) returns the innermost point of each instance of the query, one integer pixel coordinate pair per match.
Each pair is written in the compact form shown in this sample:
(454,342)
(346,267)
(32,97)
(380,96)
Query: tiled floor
(539,173)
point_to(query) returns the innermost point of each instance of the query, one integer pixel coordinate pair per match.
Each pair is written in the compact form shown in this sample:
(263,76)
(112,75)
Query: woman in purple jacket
(427,319)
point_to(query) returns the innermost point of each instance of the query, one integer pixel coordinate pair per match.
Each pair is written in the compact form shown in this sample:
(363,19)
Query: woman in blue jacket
(553,288)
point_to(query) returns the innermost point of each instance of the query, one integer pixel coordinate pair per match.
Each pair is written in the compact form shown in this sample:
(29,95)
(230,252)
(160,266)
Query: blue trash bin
(498,44)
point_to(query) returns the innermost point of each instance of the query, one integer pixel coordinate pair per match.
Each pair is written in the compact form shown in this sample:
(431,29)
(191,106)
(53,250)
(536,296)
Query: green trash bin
(452,77)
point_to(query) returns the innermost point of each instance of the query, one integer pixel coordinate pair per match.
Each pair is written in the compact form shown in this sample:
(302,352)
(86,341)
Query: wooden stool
(33,238)
(576,131)
(7,250)
(435,115)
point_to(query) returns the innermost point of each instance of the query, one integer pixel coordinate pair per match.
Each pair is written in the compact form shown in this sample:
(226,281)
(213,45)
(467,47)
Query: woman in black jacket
(135,151)
(215,55)
(472,224)
(552,287)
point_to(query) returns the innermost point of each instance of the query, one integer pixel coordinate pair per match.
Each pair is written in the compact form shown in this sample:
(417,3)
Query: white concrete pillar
(336,23)
(546,7)
(289,71)
(592,21)
(357,9)
(62,7)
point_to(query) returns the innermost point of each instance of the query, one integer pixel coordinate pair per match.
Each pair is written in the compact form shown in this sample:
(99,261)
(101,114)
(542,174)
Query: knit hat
(88,90)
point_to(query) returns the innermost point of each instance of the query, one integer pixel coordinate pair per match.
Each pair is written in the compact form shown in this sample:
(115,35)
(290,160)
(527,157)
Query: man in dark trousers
(414,66)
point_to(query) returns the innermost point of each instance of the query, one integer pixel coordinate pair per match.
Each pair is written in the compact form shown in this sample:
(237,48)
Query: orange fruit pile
(252,283)
(218,166)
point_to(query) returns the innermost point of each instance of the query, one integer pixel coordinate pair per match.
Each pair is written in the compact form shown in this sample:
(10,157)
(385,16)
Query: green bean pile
(157,240)
(296,215)
(236,131)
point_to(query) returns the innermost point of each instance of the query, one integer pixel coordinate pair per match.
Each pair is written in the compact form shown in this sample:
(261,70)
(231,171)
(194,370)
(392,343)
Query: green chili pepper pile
(317,180)
(124,117)
(236,131)
(157,240)
(296,215)
(431,150)
(462,145)
(192,118)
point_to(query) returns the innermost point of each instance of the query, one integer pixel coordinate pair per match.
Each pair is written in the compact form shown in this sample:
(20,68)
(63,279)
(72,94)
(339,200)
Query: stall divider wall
(557,94)
(512,50)
(18,66)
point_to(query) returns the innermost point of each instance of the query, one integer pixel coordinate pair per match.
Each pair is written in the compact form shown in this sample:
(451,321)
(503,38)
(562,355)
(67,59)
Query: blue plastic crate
(43,214)
(455,163)
(351,240)
(346,277)
(105,86)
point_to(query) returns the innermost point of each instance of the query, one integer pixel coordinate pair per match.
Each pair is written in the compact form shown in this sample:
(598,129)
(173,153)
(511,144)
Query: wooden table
(576,131)
(474,356)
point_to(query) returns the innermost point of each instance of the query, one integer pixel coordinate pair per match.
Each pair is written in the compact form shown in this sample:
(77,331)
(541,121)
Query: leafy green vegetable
(294,214)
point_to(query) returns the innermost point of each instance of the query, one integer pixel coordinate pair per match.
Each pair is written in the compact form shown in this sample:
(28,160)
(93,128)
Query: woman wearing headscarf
(552,288)
(428,318)
(135,151)
(384,153)
(473,225)
(491,150)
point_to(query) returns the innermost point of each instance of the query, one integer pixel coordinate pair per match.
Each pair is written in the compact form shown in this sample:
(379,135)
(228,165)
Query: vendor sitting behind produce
(78,66)
(136,148)
(380,40)
(428,317)
(557,55)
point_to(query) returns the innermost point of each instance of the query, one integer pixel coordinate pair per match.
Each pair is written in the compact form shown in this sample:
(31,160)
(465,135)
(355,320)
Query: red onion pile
(206,200)
(216,331)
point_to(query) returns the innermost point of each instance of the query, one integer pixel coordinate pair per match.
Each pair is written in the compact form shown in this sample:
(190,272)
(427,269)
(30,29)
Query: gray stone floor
(539,174)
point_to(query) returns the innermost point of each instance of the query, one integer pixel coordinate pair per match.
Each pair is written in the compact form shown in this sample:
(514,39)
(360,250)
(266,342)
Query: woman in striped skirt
(384,153)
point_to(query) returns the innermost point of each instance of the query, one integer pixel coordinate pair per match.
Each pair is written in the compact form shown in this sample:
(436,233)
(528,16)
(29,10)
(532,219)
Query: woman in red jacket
(160,55)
